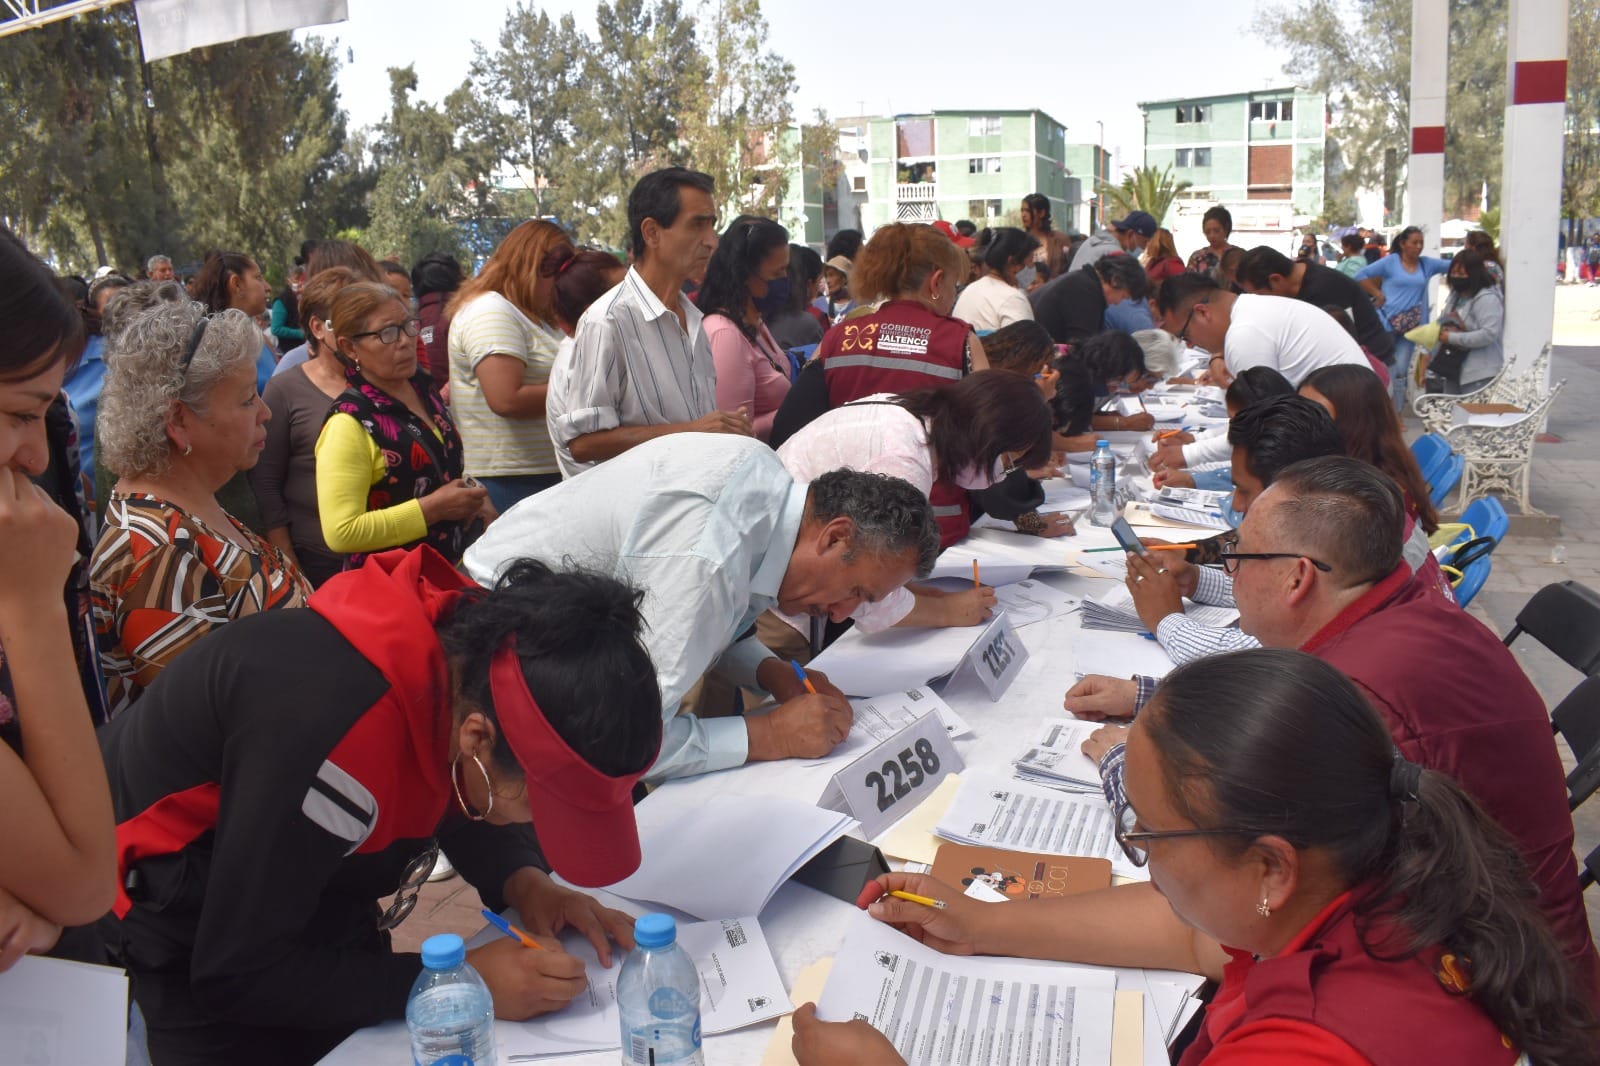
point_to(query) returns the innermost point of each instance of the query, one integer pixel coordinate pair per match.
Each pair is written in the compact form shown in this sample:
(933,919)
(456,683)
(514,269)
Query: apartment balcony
(923,192)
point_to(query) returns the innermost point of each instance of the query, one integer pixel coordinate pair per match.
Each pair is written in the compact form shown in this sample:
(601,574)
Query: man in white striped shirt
(639,366)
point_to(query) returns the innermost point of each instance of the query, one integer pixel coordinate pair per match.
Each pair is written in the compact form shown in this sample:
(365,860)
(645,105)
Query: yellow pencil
(975,582)
(926,901)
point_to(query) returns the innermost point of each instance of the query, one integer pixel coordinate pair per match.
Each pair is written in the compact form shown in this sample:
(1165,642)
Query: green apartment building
(1238,147)
(968,164)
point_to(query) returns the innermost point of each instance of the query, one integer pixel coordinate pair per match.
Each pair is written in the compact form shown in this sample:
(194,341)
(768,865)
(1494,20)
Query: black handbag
(1447,362)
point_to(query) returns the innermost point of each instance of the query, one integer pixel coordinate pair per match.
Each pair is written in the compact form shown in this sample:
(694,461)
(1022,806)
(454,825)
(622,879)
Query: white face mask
(1026,275)
(970,479)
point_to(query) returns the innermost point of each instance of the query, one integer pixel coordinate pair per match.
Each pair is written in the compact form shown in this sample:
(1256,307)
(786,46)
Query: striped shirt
(631,363)
(494,446)
(160,580)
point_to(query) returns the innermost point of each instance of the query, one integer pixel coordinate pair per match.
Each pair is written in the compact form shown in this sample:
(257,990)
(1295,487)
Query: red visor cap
(583,817)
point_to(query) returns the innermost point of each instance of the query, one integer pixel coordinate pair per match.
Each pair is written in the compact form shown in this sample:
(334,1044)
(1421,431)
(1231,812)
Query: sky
(1073,59)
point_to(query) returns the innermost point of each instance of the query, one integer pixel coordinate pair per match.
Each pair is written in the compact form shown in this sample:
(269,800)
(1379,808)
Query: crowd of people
(311,597)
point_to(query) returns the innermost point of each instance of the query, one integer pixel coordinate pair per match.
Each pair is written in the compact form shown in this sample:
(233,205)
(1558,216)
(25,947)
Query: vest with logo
(900,347)
(1394,1013)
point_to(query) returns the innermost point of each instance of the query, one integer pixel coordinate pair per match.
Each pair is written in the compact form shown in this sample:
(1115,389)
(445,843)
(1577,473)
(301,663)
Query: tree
(1358,52)
(241,145)
(738,121)
(1146,189)
(536,77)
(1580,177)
(435,169)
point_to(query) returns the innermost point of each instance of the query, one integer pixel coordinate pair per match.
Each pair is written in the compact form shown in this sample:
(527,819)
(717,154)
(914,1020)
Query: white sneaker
(442,870)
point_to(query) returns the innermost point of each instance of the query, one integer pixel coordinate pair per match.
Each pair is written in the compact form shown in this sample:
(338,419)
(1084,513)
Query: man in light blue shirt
(714,531)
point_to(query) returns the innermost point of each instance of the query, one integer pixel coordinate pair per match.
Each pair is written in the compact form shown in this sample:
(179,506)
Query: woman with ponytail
(1355,907)
(503,342)
(260,811)
(748,276)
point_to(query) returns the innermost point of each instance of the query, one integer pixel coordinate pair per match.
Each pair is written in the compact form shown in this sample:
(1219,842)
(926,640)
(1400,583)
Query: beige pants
(712,695)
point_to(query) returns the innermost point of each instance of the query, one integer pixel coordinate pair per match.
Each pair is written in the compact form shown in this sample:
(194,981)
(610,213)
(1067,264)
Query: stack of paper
(1056,759)
(999,812)
(948,1008)
(1197,499)
(724,856)
(1193,516)
(1114,610)
(739,986)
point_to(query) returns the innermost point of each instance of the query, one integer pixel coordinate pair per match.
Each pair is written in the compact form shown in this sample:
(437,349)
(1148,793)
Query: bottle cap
(655,931)
(1102,444)
(444,951)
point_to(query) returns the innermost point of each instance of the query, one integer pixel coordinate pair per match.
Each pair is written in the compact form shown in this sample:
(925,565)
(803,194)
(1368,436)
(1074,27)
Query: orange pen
(975,582)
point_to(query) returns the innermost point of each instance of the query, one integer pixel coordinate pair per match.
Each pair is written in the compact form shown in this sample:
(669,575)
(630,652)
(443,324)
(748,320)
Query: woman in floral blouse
(1217,225)
(179,417)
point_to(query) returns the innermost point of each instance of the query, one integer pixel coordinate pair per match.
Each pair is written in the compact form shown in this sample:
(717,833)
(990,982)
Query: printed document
(999,812)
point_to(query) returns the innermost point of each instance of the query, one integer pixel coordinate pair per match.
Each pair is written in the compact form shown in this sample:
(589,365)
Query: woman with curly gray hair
(180,417)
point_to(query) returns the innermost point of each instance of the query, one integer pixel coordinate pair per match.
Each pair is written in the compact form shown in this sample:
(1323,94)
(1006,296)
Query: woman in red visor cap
(294,767)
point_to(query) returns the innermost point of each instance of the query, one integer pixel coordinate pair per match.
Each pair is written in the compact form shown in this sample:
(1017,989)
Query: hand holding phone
(1126,537)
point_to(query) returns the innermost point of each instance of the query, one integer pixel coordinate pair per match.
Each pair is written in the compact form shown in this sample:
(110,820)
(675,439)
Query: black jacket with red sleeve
(274,783)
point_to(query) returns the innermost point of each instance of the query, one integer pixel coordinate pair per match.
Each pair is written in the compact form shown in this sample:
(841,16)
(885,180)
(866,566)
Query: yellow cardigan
(349,463)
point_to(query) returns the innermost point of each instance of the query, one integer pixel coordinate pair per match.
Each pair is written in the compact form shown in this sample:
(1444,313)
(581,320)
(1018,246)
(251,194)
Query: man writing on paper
(715,531)
(1317,567)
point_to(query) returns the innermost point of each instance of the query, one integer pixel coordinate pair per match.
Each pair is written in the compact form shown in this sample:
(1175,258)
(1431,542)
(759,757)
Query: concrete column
(1430,54)
(1530,192)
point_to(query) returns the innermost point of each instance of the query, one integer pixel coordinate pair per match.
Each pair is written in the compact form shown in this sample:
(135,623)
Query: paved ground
(1566,482)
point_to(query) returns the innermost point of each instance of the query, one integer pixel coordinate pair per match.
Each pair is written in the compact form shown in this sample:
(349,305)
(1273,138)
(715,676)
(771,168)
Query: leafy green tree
(1580,178)
(738,118)
(1146,189)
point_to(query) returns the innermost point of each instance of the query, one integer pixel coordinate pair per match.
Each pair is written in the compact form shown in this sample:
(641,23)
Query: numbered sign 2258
(884,784)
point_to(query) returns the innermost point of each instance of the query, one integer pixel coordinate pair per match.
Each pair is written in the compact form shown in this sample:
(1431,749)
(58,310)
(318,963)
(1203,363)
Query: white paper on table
(864,664)
(724,856)
(1057,754)
(878,718)
(1119,654)
(928,1003)
(1119,600)
(1192,516)
(54,1012)
(992,570)
(1004,547)
(1060,494)
(995,811)
(739,986)
(1027,602)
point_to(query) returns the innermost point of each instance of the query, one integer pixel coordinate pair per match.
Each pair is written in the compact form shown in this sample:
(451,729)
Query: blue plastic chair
(1432,451)
(1446,478)
(1472,579)
(1487,517)
(798,357)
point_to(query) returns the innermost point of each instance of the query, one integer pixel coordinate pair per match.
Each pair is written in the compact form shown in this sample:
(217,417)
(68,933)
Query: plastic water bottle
(450,1013)
(1102,485)
(658,995)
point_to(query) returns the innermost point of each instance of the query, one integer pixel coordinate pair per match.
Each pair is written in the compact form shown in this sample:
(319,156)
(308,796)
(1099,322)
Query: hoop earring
(1261,908)
(455,783)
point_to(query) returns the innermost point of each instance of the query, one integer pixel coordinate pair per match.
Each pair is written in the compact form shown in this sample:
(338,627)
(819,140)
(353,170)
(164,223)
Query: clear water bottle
(1102,485)
(658,994)
(450,1013)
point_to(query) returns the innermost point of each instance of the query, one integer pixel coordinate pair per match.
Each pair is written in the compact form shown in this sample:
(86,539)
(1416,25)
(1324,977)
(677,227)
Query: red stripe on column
(1427,140)
(1541,81)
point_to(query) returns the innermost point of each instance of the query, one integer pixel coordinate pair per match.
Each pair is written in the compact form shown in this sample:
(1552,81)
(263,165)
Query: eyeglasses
(193,345)
(411,882)
(1126,835)
(1183,334)
(1230,560)
(391,333)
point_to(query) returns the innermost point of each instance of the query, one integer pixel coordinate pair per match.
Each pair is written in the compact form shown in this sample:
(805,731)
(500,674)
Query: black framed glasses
(1129,835)
(391,333)
(1230,560)
(193,346)
(1183,334)
(412,879)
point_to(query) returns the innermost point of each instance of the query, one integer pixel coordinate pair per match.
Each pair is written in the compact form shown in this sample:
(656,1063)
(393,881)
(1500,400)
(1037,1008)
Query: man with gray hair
(159,268)
(1317,567)
(714,531)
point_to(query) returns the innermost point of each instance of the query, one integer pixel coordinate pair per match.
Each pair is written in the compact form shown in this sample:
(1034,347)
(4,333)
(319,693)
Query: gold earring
(488,786)
(1262,908)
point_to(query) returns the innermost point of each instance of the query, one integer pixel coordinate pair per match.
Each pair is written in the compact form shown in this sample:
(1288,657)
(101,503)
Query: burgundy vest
(951,510)
(1396,1013)
(900,347)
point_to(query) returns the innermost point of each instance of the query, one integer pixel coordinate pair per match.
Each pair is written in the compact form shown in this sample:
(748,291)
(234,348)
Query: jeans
(1400,372)
(506,492)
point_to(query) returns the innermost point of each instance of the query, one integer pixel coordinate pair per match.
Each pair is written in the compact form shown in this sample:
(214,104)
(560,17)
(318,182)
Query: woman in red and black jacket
(908,342)
(297,765)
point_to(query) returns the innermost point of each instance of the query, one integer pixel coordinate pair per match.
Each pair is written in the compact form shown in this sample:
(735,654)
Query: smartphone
(1126,537)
